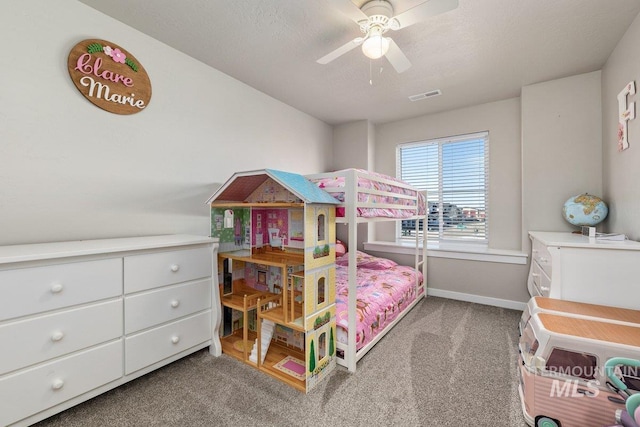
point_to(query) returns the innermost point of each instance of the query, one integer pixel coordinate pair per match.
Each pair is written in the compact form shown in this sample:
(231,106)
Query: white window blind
(455,173)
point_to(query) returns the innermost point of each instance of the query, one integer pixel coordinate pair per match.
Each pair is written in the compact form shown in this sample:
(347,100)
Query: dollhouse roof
(242,184)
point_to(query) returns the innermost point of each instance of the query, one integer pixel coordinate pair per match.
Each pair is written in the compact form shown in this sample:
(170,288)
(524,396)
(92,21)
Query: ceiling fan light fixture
(375,46)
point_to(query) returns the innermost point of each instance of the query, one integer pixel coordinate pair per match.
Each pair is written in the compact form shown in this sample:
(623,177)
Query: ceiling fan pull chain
(370,76)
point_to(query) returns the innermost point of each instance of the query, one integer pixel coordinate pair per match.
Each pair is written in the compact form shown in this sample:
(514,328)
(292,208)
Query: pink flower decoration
(620,131)
(118,56)
(107,50)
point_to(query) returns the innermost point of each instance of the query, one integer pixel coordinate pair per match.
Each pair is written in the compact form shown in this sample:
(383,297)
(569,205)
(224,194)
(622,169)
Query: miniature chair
(274,237)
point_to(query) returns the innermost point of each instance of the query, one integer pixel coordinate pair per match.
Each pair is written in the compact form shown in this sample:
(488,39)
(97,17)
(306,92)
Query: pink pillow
(341,249)
(364,260)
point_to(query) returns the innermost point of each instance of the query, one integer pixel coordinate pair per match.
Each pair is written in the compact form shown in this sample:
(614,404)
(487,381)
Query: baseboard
(478,299)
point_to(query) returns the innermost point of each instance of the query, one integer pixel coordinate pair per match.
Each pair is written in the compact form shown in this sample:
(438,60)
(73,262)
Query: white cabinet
(40,338)
(164,268)
(578,268)
(148,309)
(39,289)
(146,348)
(80,318)
(172,285)
(44,386)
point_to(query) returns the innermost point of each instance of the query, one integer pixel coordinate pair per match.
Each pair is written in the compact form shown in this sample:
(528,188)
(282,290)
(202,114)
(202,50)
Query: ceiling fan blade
(349,9)
(341,50)
(397,59)
(424,11)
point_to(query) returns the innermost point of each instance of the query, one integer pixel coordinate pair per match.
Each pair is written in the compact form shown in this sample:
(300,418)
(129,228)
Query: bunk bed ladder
(351,191)
(421,250)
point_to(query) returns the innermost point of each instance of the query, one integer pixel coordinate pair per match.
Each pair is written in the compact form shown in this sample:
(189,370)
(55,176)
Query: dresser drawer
(163,305)
(152,346)
(540,254)
(541,281)
(33,290)
(28,392)
(149,271)
(38,339)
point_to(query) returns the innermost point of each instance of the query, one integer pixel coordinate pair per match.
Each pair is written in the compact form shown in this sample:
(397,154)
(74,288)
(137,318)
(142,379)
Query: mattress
(337,181)
(382,294)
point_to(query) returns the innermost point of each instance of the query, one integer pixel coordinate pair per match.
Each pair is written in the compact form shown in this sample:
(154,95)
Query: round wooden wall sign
(109,76)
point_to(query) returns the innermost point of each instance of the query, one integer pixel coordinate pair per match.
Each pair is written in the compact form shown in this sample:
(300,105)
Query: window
(228,218)
(631,377)
(321,290)
(322,346)
(455,173)
(573,363)
(528,344)
(321,235)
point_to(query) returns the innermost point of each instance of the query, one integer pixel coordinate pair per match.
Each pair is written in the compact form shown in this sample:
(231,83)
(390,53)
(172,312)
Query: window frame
(439,234)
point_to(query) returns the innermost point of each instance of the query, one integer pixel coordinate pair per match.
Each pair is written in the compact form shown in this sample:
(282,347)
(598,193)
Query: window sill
(453,251)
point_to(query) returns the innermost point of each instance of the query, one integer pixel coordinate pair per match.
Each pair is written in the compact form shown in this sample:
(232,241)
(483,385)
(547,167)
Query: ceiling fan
(375,18)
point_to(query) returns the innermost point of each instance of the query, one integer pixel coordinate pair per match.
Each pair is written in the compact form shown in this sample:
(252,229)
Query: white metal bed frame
(351,218)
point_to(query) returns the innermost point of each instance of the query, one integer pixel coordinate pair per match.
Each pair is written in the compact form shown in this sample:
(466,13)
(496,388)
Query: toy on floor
(581,310)
(278,298)
(562,370)
(631,416)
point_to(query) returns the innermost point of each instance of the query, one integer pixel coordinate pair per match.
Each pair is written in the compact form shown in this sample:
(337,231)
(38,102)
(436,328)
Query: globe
(585,209)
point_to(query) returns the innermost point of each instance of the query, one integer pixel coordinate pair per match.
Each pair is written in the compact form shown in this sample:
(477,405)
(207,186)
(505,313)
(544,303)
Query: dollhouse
(277,273)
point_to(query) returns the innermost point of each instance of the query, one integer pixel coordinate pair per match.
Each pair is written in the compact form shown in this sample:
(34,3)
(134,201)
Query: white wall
(352,145)
(561,149)
(621,170)
(69,170)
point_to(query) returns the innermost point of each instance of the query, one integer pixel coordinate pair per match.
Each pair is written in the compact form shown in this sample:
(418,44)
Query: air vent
(425,95)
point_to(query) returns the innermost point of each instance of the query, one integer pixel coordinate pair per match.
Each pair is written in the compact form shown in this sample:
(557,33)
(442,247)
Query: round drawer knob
(175,267)
(175,339)
(57,336)
(175,303)
(56,288)
(57,384)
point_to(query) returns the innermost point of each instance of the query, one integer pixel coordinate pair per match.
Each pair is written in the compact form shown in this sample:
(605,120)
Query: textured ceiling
(485,50)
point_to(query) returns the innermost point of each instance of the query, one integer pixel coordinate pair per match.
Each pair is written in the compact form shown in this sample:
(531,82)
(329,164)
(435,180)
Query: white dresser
(574,267)
(80,318)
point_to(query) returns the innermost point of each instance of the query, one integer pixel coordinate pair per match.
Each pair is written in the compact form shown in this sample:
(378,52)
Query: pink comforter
(376,212)
(382,295)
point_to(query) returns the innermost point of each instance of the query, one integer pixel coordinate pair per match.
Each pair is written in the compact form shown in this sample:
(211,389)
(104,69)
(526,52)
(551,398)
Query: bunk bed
(367,197)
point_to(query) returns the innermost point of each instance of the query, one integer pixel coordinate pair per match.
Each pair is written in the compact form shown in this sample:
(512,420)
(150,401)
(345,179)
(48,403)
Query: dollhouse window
(321,228)
(322,346)
(321,289)
(296,224)
(262,277)
(228,218)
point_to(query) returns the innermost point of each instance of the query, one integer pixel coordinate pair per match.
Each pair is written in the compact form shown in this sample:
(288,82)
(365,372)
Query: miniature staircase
(267,332)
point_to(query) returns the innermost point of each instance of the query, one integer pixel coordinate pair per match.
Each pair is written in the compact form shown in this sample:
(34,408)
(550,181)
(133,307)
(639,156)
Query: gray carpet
(447,363)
